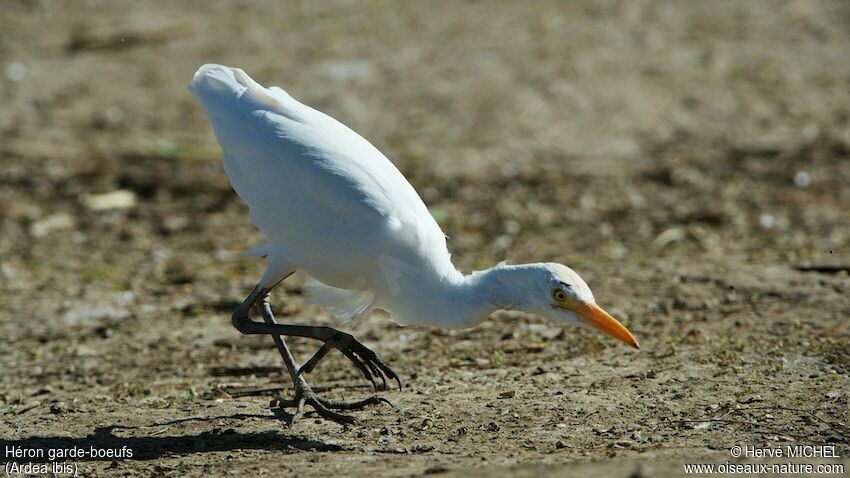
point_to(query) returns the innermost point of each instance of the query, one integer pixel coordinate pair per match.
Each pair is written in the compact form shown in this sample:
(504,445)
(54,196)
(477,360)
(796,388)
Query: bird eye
(559,295)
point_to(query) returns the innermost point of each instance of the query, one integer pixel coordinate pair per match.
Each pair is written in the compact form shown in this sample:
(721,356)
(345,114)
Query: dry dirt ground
(689,159)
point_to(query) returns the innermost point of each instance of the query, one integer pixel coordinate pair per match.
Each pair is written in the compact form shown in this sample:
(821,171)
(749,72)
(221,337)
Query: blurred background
(690,159)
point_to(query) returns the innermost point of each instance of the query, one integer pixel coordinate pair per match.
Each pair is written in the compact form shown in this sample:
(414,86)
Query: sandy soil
(689,159)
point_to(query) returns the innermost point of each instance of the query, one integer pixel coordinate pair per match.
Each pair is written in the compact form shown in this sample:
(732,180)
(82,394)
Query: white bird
(336,209)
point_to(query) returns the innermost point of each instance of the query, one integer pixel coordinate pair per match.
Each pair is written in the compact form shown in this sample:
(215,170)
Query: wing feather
(315,187)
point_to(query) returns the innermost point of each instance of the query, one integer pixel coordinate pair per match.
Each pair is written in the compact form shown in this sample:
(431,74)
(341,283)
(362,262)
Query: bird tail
(214,84)
(231,100)
(344,304)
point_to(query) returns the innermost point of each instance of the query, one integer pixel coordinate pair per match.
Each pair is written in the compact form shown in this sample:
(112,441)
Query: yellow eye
(559,295)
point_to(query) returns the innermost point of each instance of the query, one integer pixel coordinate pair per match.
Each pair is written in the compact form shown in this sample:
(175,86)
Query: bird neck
(454,300)
(481,293)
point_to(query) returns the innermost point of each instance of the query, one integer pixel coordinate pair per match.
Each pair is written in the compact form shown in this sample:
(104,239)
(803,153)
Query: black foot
(363,358)
(304,395)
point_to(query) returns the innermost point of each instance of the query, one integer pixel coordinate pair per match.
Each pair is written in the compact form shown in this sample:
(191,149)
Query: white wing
(319,191)
(344,304)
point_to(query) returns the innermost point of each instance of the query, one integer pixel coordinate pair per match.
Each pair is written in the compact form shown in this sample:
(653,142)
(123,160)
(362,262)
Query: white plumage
(335,208)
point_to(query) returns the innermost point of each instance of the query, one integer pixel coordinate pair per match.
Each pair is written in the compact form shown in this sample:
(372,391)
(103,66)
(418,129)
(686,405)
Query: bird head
(556,292)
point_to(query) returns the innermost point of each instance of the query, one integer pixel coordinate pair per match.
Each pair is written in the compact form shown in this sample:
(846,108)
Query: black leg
(285,354)
(361,356)
(304,395)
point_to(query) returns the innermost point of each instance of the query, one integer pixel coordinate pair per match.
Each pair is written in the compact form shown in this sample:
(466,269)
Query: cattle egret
(334,208)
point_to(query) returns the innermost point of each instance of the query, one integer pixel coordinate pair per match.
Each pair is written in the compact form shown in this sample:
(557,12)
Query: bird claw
(304,396)
(364,359)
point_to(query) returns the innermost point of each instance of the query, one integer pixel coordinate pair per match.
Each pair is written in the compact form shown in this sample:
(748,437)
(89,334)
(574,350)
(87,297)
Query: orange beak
(594,316)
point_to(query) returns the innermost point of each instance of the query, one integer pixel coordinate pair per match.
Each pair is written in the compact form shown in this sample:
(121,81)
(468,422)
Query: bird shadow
(154,445)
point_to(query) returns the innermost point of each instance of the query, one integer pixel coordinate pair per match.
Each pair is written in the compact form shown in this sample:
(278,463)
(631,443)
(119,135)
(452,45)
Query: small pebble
(16,71)
(113,115)
(54,222)
(120,199)
(767,221)
(802,179)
